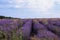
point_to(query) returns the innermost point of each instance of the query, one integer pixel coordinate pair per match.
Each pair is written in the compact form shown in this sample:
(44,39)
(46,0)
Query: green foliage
(15,37)
(3,35)
(2,17)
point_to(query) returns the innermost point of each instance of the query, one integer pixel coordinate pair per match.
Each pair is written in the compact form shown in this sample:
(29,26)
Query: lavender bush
(29,29)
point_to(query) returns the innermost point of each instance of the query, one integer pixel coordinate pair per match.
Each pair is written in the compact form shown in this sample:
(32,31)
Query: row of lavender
(10,29)
(29,29)
(41,29)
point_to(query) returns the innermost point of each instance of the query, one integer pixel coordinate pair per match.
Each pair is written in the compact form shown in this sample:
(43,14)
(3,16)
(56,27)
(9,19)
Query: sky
(30,8)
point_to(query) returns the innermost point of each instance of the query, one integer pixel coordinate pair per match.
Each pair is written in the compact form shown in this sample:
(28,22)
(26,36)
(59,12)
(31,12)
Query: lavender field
(30,29)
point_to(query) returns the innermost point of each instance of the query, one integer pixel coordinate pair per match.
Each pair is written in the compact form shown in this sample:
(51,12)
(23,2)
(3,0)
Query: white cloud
(16,1)
(17,6)
(41,4)
(58,1)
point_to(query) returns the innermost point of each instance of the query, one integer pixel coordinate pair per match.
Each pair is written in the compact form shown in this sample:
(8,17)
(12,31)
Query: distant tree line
(3,17)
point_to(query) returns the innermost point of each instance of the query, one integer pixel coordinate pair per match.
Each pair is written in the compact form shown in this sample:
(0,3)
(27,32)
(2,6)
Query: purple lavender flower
(47,35)
(39,26)
(53,25)
(26,29)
